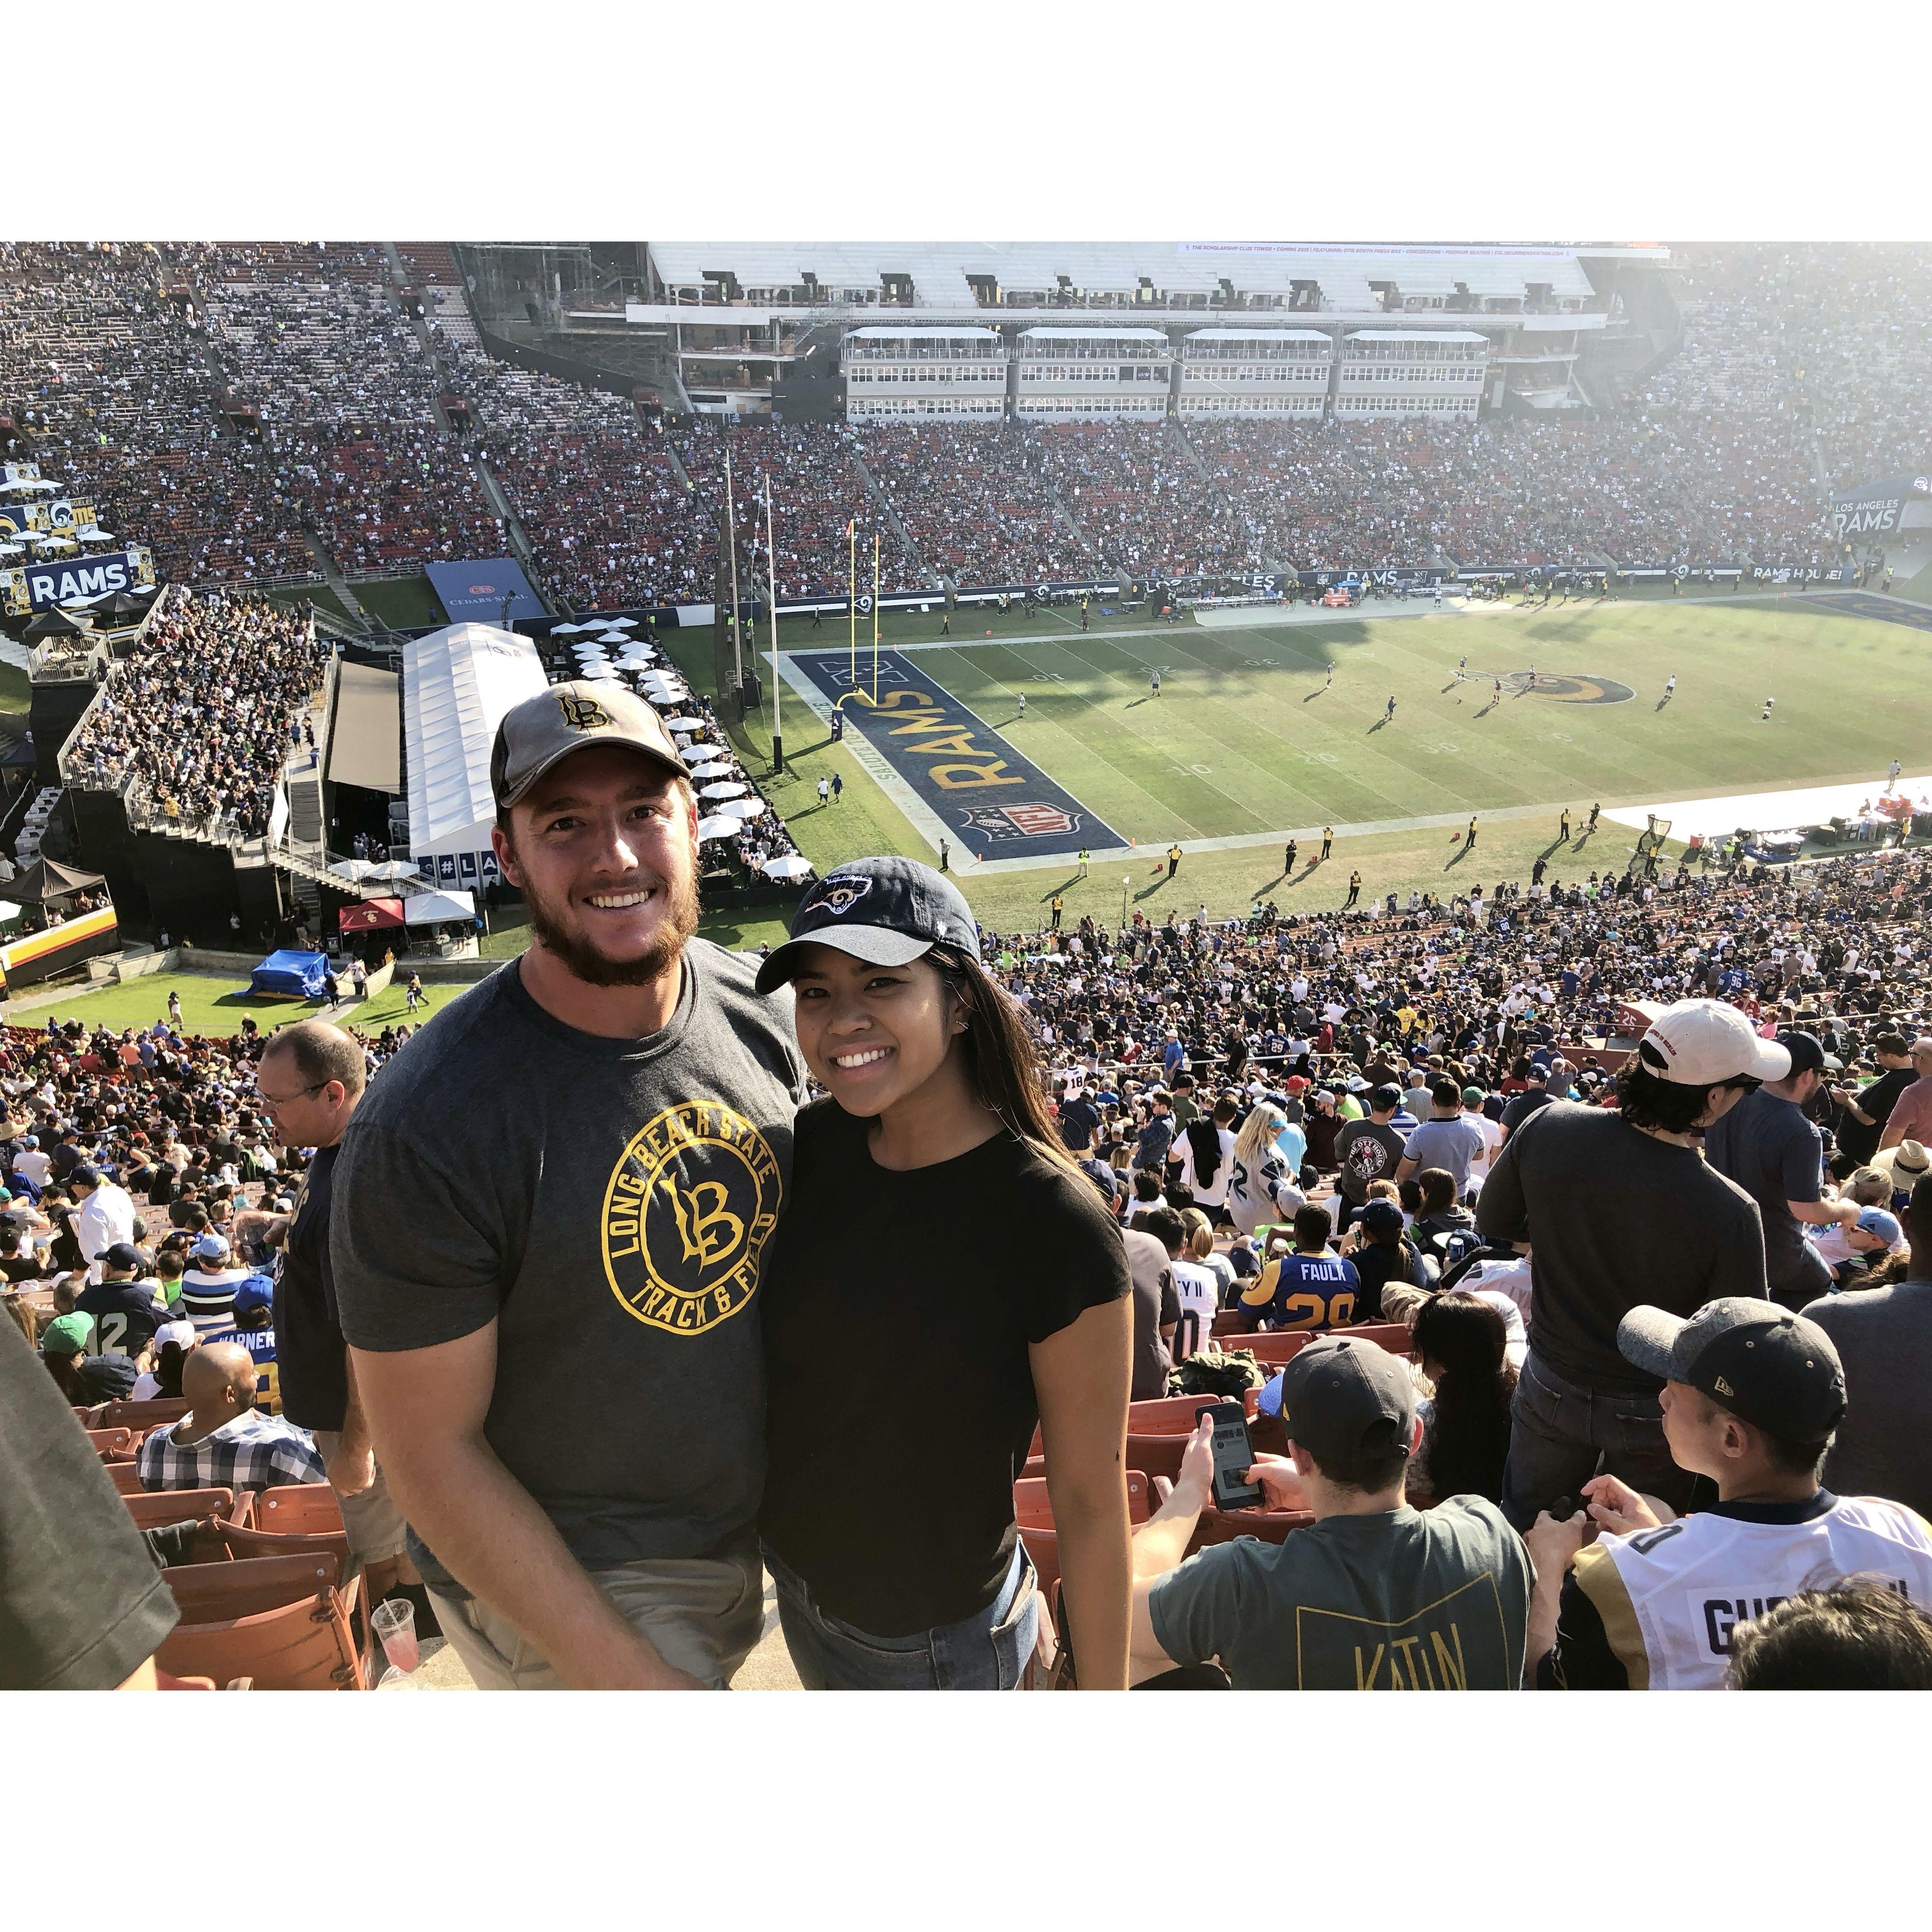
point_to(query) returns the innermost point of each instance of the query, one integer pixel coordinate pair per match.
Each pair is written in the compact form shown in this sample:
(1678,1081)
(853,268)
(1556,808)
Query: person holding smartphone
(944,1278)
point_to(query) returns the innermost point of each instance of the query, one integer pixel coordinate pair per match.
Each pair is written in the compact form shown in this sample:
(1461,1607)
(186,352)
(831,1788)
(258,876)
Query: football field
(1250,739)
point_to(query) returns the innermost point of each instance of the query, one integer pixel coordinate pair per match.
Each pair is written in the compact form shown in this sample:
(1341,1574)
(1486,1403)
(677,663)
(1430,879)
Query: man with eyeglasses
(1624,1211)
(309,1082)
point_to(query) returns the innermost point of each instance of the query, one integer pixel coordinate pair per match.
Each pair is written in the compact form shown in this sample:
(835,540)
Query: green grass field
(213,1005)
(1244,739)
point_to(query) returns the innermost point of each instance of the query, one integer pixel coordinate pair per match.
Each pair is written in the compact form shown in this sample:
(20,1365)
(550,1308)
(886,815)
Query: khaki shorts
(702,1614)
(377,1530)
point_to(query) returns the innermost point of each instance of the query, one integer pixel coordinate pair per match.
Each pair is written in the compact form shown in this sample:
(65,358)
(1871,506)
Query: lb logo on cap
(582,714)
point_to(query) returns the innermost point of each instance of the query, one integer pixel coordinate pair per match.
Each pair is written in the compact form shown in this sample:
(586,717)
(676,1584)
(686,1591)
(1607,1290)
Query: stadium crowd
(213,399)
(208,710)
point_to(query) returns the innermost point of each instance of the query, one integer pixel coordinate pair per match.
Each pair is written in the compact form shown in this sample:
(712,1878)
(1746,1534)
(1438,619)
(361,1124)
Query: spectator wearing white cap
(1752,1395)
(1623,1207)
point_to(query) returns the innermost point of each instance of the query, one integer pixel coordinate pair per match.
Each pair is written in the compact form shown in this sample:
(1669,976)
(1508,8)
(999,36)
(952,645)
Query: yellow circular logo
(692,1201)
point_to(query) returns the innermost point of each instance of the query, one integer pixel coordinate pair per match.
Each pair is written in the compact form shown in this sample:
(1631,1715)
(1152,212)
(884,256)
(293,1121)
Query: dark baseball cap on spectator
(124,1255)
(1340,1398)
(544,731)
(84,1177)
(1382,1217)
(1807,1052)
(1384,1098)
(1774,1368)
(888,912)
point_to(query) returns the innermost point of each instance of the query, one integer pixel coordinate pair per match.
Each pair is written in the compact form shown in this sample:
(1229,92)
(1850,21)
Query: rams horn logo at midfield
(691,1203)
(582,714)
(1583,690)
(840,894)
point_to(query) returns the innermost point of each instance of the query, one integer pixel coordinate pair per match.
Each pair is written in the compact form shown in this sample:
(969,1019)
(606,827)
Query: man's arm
(1553,1543)
(1161,1543)
(352,1468)
(425,1410)
(1082,1374)
(1501,1212)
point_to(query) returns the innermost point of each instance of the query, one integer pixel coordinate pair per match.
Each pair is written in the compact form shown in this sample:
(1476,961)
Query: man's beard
(597,969)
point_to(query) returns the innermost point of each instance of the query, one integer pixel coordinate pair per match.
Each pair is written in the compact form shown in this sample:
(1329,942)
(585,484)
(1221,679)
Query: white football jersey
(1199,1294)
(1669,1598)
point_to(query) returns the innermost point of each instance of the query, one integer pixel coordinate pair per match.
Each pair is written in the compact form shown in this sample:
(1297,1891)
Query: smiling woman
(897,1266)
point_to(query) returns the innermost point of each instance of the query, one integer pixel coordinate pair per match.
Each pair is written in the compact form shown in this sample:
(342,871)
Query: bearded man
(549,1212)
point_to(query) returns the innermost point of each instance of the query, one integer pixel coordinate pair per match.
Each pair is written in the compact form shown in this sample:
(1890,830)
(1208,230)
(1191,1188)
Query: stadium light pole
(731,537)
(772,586)
(852,603)
(875,619)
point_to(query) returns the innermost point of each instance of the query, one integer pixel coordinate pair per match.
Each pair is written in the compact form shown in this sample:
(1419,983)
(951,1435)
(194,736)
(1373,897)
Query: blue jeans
(985,1652)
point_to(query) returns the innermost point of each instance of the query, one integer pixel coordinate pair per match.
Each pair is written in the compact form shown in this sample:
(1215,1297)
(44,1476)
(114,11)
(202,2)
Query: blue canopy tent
(291,976)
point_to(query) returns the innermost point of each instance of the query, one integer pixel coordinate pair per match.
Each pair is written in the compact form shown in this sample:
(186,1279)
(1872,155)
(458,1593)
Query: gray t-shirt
(606,1202)
(1767,1146)
(1404,1600)
(1883,1336)
(1452,1144)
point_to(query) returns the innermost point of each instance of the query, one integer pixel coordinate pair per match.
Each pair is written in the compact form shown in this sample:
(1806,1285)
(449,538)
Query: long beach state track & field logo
(691,1201)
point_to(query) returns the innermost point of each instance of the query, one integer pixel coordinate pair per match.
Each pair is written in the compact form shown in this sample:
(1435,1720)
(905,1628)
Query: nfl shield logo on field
(1022,821)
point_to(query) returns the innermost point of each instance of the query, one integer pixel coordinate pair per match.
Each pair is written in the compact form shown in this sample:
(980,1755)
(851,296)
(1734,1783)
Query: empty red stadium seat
(306,1645)
(155,1509)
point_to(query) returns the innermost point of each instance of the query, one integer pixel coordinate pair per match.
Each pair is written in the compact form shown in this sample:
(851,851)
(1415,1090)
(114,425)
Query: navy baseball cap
(1773,1368)
(124,1255)
(886,911)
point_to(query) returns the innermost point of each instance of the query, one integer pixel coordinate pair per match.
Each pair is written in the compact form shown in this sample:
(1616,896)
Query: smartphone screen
(1233,1456)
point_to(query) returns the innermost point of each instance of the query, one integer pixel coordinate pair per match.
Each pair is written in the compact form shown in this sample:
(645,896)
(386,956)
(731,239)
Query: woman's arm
(1082,1375)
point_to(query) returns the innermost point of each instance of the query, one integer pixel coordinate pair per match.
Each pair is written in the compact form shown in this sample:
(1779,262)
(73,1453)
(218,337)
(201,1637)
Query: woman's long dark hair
(999,1052)
(1467,1338)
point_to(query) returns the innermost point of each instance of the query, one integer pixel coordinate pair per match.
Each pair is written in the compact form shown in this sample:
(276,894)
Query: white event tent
(457,685)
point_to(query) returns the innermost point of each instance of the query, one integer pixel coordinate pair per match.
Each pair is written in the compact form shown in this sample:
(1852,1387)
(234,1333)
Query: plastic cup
(395,1623)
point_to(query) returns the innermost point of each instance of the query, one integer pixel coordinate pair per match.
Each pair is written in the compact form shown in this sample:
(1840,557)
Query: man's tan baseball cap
(544,731)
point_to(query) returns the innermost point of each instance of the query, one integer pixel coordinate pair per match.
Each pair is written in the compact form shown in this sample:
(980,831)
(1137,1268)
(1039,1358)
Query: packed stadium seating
(136,369)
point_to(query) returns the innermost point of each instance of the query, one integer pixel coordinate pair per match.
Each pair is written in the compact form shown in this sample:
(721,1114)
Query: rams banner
(1884,509)
(996,803)
(50,584)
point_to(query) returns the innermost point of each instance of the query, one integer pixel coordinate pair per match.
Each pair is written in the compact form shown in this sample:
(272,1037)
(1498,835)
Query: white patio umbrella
(395,868)
(352,869)
(711,771)
(686,723)
(567,630)
(733,790)
(620,623)
(718,827)
(791,866)
(744,807)
(601,673)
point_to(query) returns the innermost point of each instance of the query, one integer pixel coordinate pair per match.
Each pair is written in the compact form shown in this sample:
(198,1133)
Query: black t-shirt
(897,1314)
(81,1606)
(312,1376)
(1531,1100)
(1614,1218)
(126,1314)
(20,1267)
(1860,1142)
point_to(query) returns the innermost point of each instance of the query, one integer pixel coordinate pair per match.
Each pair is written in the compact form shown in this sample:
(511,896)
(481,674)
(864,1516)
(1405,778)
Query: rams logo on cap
(582,714)
(841,895)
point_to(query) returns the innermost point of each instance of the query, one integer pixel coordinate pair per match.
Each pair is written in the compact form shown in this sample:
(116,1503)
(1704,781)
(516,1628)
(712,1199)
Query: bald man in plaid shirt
(223,1443)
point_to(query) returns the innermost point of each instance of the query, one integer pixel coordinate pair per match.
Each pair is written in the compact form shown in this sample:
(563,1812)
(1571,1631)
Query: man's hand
(351,1470)
(1554,1542)
(1195,1485)
(1280,1481)
(1613,1505)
